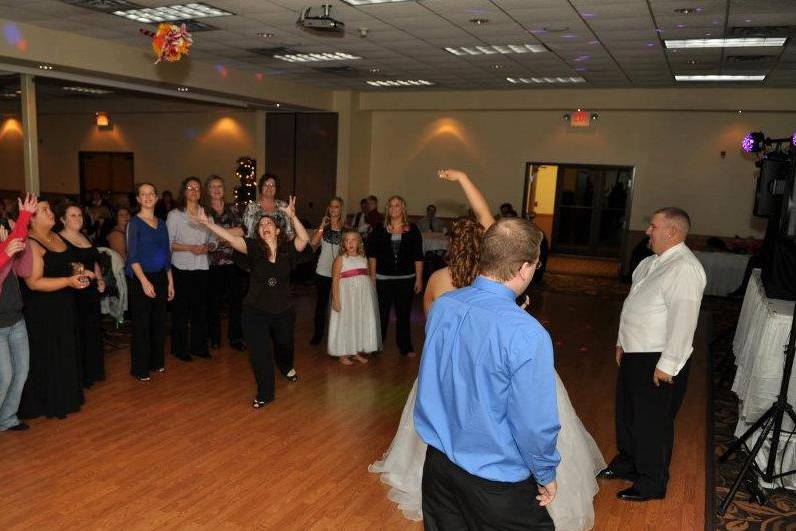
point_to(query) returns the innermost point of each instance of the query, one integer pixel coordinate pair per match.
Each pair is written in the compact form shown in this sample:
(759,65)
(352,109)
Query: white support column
(30,133)
(259,140)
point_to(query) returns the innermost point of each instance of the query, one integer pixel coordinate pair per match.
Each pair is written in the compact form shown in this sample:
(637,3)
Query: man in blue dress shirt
(486,399)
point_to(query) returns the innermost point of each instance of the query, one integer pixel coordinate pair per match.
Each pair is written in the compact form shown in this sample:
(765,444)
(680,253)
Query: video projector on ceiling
(322,25)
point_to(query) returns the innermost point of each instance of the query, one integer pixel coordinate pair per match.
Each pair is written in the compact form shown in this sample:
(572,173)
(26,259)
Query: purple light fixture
(753,142)
(793,139)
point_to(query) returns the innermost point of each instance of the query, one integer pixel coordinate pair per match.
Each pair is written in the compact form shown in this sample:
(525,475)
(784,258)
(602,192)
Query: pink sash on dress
(353,273)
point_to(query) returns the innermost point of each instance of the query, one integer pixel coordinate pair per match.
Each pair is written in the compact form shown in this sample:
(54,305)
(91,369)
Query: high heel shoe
(290,376)
(257,404)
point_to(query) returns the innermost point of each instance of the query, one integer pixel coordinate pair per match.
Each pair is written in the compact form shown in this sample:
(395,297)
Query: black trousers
(645,421)
(189,306)
(454,499)
(323,287)
(149,324)
(398,292)
(225,280)
(267,334)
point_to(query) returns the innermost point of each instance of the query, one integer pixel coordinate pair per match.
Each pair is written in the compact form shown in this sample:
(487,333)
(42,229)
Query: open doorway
(584,209)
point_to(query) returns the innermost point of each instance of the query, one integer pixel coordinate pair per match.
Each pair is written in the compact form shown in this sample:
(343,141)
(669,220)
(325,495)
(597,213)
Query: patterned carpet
(779,512)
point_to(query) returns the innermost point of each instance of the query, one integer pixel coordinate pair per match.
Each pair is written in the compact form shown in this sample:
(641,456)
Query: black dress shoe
(610,473)
(238,345)
(187,357)
(632,494)
(19,427)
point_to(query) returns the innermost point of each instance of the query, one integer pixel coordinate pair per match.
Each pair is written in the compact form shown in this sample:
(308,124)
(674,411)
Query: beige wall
(167,146)
(676,155)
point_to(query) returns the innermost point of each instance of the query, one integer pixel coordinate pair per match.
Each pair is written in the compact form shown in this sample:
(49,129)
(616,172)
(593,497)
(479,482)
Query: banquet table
(434,241)
(759,343)
(724,271)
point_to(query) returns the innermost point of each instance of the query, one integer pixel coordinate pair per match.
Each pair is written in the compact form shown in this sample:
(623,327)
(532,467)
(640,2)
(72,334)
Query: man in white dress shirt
(656,332)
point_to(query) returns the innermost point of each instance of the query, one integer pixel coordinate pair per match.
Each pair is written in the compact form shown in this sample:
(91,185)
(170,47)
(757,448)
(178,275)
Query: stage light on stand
(753,142)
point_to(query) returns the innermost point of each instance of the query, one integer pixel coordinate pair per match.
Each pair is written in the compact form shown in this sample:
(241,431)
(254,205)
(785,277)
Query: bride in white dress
(402,465)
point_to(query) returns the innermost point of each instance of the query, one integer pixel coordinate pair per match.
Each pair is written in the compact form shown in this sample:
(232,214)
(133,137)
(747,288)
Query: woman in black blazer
(395,258)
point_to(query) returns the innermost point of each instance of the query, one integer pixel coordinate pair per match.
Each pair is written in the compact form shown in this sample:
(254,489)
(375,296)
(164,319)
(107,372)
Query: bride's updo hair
(465,251)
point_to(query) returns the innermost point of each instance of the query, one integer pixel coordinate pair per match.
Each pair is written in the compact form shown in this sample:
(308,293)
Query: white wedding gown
(581,460)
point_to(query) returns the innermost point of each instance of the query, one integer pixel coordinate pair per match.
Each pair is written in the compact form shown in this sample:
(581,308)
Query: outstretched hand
(29,204)
(451,175)
(200,218)
(290,208)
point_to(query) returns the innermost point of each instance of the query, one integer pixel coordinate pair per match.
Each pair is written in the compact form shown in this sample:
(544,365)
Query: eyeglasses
(192,188)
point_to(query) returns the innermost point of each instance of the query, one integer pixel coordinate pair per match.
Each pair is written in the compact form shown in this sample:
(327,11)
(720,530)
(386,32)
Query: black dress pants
(645,421)
(149,324)
(323,287)
(397,292)
(454,500)
(190,306)
(270,338)
(225,280)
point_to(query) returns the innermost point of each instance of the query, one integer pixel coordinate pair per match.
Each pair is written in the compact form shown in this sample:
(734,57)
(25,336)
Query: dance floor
(186,450)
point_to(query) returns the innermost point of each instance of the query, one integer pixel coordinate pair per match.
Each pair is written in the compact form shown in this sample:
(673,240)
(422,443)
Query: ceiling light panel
(170,13)
(316,57)
(749,42)
(496,49)
(87,90)
(396,83)
(541,80)
(721,77)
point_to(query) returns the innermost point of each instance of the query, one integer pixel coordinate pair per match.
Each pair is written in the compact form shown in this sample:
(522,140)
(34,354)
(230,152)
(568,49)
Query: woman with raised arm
(268,313)
(149,284)
(328,236)
(54,387)
(88,300)
(402,465)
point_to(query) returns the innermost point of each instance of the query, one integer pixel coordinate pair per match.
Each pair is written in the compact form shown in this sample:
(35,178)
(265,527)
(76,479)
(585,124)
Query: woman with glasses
(150,284)
(267,204)
(190,267)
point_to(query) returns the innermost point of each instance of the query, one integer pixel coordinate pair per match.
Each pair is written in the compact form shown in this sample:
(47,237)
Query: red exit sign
(580,118)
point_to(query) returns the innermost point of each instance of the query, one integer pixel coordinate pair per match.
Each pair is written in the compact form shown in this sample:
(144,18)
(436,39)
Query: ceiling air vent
(750,59)
(104,6)
(761,31)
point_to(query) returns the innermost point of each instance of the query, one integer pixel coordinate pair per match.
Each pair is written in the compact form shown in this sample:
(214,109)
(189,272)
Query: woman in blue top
(149,284)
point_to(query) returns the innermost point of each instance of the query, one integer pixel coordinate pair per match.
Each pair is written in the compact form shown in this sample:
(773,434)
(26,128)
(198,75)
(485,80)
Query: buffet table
(760,338)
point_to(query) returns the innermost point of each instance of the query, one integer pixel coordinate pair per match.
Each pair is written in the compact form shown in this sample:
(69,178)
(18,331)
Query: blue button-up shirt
(486,393)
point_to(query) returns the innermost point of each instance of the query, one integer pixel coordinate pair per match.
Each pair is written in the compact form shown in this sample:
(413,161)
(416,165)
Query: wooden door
(106,171)
(316,164)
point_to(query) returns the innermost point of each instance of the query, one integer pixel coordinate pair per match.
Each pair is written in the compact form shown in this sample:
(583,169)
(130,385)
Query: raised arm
(474,196)
(302,238)
(236,242)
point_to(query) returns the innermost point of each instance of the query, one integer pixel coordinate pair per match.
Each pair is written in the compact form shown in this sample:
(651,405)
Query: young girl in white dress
(402,465)
(354,320)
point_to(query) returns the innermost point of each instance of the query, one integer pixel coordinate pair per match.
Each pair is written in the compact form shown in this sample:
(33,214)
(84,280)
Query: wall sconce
(103,121)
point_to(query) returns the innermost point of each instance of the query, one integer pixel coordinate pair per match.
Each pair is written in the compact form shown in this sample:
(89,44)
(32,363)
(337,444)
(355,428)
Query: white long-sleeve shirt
(660,313)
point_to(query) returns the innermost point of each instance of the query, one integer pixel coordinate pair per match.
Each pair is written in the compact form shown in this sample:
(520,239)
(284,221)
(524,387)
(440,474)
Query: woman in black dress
(88,300)
(54,387)
(268,313)
(395,259)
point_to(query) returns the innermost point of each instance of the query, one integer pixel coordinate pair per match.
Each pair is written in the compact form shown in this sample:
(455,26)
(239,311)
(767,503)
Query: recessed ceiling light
(496,66)
(265,35)
(693,62)
(183,89)
(491,49)
(45,67)
(374,70)
(479,21)
(685,10)
(739,42)
(150,15)
(532,80)
(370,2)
(315,57)
(87,90)
(277,105)
(721,77)
(393,83)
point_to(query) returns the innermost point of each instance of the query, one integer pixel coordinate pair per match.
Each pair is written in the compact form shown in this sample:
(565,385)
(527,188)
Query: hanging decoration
(246,191)
(170,42)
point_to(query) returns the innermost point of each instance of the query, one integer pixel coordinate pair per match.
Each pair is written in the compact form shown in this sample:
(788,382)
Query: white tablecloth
(724,271)
(763,328)
(434,241)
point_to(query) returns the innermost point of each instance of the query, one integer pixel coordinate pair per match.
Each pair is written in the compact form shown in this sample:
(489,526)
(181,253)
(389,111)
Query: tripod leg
(746,464)
(748,433)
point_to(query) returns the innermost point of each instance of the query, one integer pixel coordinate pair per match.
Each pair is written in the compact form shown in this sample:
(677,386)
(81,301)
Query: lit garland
(246,191)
